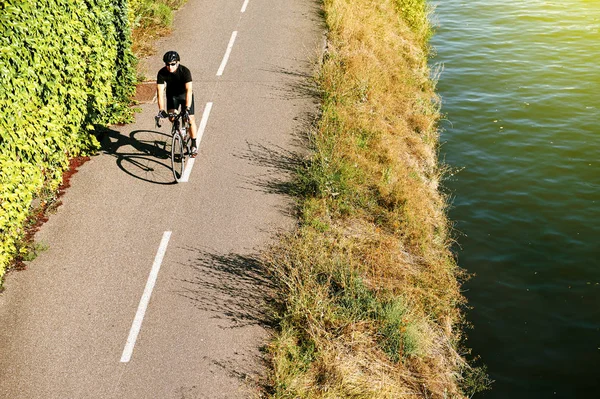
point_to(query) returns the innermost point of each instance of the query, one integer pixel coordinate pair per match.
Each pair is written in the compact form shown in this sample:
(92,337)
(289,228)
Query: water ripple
(520,91)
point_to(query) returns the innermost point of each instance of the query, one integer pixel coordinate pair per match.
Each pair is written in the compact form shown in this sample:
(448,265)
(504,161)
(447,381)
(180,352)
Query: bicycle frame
(180,143)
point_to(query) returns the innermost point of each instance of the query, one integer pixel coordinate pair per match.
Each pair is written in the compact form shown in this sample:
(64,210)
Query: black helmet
(170,56)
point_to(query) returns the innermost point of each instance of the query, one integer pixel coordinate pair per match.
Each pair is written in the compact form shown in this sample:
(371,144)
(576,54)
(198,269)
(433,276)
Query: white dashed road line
(204,121)
(141,311)
(244,6)
(200,131)
(227,53)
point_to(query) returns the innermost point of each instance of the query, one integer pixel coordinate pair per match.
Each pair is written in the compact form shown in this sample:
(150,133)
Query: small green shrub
(151,19)
(31,251)
(151,13)
(415,13)
(399,335)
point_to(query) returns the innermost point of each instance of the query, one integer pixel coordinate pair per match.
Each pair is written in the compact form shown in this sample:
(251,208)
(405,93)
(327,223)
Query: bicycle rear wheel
(177,157)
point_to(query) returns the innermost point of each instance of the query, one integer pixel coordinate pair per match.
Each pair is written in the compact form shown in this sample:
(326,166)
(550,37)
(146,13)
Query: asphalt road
(126,235)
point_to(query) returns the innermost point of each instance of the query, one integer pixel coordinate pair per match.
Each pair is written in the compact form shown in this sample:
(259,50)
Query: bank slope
(369,302)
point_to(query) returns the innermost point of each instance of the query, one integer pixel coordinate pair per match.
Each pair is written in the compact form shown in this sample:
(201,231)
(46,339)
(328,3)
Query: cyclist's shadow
(143,154)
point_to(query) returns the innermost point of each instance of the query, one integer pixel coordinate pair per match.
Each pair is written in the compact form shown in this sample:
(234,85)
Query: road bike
(180,142)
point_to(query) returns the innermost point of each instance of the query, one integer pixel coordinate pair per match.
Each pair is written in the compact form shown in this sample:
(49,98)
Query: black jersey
(175,81)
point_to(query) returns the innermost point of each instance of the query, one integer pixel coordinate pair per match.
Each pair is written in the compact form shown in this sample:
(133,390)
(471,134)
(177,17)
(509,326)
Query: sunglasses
(171,64)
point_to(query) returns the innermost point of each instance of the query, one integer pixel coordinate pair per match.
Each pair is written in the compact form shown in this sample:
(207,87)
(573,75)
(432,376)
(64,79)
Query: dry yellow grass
(150,20)
(370,303)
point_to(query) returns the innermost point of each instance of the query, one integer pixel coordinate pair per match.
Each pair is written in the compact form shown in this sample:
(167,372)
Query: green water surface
(520,90)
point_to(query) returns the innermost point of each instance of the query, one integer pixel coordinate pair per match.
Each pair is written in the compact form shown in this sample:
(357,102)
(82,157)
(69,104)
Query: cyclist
(176,80)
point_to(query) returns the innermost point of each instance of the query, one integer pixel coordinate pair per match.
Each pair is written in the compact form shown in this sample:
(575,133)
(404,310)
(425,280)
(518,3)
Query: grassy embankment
(369,302)
(151,19)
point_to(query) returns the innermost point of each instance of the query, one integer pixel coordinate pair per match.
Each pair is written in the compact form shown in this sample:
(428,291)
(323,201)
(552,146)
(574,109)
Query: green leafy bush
(65,66)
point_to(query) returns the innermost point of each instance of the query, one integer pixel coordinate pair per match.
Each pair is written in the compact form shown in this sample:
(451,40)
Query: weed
(31,251)
(476,379)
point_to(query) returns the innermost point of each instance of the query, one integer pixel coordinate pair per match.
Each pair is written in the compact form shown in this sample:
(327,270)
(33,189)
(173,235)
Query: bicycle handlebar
(173,116)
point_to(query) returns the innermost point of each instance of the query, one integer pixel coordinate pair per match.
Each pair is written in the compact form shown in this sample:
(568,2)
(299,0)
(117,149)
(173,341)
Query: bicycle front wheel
(177,157)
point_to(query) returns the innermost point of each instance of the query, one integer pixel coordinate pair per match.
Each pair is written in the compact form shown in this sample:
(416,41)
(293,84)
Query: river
(520,91)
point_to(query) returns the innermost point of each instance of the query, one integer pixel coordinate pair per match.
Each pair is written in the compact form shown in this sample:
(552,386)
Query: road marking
(199,132)
(227,53)
(244,6)
(141,311)
(204,120)
(188,170)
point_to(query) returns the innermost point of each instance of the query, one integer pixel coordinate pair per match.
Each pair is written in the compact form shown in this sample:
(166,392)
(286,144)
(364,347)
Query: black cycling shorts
(174,102)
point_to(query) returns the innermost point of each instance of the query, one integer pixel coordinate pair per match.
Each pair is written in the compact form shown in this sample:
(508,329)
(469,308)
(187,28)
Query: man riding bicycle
(177,80)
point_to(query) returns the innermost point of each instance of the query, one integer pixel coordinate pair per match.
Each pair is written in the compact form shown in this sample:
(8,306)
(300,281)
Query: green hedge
(66,66)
